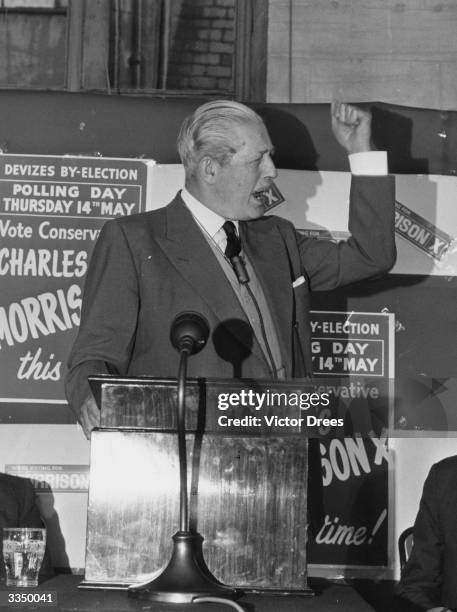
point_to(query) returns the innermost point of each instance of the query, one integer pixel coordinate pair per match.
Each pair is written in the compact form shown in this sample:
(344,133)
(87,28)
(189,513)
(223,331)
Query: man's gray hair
(208,131)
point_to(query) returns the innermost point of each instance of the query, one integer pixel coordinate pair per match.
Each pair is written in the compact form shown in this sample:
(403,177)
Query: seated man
(430,578)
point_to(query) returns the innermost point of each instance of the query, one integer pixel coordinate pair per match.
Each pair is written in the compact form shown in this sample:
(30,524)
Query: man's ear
(208,169)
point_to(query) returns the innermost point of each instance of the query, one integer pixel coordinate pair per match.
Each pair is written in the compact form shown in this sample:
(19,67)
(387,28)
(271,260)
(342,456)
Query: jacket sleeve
(369,251)
(420,586)
(108,316)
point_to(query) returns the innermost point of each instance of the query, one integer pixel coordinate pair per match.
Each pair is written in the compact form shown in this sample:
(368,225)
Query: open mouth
(268,196)
(261,195)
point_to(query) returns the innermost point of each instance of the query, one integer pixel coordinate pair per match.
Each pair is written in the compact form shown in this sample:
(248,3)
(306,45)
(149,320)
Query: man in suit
(147,268)
(429,580)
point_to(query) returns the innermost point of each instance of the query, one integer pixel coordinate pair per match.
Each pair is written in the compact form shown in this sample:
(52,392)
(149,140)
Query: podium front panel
(247,499)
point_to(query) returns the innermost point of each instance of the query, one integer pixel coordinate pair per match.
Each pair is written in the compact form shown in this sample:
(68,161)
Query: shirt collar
(209,220)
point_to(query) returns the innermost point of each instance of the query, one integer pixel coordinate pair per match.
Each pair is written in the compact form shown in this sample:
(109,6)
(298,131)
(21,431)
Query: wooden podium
(248,485)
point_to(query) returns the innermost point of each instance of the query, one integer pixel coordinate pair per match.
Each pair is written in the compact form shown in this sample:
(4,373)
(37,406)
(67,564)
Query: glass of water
(23,553)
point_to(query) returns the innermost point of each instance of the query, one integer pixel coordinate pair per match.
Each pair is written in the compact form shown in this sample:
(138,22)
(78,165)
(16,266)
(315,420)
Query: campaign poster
(353,357)
(55,478)
(51,211)
(352,343)
(317,203)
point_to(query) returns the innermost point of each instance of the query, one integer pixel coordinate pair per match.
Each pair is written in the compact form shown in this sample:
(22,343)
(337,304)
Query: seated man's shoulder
(446,468)
(15,485)
(441,481)
(17,498)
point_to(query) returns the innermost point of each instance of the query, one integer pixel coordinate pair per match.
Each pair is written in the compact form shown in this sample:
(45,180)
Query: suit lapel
(191,255)
(267,252)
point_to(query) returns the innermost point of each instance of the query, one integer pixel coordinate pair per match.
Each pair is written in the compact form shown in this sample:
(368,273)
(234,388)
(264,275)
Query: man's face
(249,171)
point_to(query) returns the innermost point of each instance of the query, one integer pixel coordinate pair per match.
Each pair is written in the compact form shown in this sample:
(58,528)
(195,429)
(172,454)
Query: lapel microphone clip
(240,269)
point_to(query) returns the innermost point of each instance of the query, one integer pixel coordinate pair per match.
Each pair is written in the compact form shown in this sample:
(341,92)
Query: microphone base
(185,577)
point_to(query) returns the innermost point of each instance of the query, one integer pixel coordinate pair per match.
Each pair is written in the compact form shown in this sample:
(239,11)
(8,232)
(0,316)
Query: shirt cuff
(371,163)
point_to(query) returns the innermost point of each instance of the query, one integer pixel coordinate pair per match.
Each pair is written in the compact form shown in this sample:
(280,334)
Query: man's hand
(351,127)
(89,416)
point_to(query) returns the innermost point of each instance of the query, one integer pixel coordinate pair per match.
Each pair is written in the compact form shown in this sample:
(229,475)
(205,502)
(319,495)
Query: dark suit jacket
(430,577)
(147,268)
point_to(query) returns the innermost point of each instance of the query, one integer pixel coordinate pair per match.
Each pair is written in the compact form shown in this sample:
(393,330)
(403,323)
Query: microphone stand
(186,576)
(182,451)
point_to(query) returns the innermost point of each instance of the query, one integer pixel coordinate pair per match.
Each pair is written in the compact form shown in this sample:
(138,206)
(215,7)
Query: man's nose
(269,170)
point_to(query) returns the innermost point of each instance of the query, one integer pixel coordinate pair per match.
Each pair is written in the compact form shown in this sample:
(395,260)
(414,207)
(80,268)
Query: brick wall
(202,45)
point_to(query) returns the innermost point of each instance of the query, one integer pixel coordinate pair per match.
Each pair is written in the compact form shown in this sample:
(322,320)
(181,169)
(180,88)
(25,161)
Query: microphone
(186,577)
(240,269)
(189,331)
